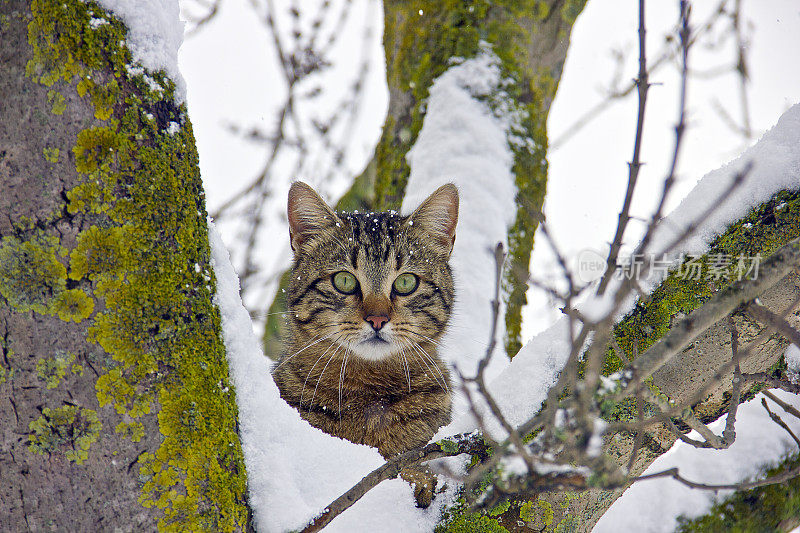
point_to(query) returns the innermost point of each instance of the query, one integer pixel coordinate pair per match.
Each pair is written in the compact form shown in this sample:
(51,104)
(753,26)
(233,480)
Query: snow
(155,34)
(756,437)
(792,356)
(776,166)
(462,141)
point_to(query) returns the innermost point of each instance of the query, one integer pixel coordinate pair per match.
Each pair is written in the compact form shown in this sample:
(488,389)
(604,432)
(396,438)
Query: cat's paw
(423,482)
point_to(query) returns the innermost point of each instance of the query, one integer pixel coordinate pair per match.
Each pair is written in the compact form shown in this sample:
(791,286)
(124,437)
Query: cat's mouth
(375,340)
(375,347)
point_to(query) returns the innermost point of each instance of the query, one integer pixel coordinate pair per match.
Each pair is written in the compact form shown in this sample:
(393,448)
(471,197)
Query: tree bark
(115,401)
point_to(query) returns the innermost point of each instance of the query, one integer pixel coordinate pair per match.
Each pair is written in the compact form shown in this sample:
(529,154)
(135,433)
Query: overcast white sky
(230,69)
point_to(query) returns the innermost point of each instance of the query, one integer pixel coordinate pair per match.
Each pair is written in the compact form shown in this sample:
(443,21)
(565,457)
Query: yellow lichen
(57,101)
(131,430)
(51,154)
(31,275)
(145,229)
(72,304)
(69,428)
(99,251)
(52,371)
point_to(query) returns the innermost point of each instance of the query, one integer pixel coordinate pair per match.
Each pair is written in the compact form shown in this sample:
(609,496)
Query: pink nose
(377,321)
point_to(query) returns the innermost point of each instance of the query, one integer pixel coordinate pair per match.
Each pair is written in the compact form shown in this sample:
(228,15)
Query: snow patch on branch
(776,166)
(464,140)
(155,32)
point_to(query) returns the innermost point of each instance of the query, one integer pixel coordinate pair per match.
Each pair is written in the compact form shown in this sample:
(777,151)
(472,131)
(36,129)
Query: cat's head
(376,284)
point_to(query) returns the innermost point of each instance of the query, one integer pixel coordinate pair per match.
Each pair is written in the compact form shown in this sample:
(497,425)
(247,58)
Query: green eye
(406,283)
(345,282)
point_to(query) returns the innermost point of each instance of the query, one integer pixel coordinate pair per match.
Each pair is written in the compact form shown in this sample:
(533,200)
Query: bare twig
(480,381)
(467,443)
(785,406)
(747,485)
(663,58)
(772,382)
(729,433)
(642,85)
(679,127)
(764,315)
(777,419)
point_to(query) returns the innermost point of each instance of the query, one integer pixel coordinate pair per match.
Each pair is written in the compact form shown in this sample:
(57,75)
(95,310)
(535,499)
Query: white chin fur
(373,349)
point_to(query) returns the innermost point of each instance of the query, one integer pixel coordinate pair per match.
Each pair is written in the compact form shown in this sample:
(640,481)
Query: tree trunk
(115,402)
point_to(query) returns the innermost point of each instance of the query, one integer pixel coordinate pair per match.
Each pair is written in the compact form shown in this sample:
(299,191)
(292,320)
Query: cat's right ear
(308,214)
(438,215)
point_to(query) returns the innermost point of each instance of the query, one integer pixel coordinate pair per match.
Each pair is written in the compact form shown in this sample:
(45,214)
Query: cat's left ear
(438,215)
(308,214)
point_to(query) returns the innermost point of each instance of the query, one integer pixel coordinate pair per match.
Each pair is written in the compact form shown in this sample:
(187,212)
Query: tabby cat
(368,299)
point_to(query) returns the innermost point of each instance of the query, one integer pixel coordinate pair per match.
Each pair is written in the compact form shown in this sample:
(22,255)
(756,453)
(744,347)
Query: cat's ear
(438,215)
(308,214)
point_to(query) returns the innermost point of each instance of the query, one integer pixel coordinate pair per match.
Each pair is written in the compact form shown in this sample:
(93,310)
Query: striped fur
(387,389)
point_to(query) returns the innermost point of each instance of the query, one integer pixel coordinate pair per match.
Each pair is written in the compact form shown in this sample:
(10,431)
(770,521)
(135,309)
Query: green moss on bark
(143,256)
(759,233)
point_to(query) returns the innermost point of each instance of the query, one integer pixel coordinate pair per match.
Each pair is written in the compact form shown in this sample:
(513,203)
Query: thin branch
(777,419)
(764,315)
(773,270)
(729,433)
(471,443)
(637,441)
(675,474)
(642,85)
(785,406)
(679,127)
(772,382)
(701,392)
(663,58)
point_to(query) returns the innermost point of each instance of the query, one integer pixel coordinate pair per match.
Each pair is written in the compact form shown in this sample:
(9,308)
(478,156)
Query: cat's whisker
(302,391)
(309,345)
(322,373)
(433,363)
(342,371)
(418,357)
(432,341)
(423,356)
(404,363)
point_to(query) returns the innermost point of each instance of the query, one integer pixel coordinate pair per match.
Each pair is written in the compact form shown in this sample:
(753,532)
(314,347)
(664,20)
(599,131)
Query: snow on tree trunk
(115,400)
